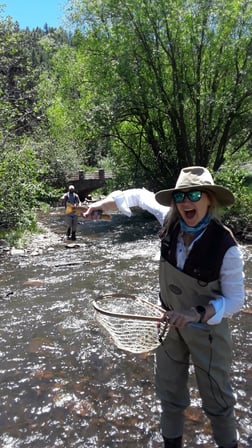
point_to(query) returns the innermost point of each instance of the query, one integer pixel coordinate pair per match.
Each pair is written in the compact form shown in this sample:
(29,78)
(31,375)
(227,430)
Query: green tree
(18,112)
(22,128)
(170,80)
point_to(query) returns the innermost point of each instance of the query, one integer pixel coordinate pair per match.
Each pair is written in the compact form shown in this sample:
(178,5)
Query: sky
(35,13)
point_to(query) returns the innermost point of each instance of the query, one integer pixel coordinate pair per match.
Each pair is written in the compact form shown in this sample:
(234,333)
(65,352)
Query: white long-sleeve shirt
(231,273)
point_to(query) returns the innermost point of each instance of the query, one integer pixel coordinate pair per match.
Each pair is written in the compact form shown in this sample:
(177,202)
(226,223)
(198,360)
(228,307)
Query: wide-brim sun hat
(196,178)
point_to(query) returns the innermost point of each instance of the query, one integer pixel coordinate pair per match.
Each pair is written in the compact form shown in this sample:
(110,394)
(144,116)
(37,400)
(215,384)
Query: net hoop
(130,331)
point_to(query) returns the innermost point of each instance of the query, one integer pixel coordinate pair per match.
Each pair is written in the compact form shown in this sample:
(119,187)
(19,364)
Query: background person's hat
(71,187)
(197,178)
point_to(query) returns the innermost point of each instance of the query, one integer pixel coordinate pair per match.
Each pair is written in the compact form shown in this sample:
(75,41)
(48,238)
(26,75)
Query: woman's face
(193,212)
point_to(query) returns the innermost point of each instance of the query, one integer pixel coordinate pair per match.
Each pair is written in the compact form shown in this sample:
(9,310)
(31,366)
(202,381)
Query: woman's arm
(123,201)
(232,286)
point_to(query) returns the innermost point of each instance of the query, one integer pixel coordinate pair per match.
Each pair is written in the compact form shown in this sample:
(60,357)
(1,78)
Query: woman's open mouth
(190,213)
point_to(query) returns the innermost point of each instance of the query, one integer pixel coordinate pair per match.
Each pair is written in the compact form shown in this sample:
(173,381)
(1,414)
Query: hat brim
(224,196)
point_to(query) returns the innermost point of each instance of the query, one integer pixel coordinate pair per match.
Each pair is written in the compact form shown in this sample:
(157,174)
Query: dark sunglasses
(193,196)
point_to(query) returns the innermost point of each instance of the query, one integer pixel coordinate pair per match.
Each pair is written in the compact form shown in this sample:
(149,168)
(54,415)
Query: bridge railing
(99,175)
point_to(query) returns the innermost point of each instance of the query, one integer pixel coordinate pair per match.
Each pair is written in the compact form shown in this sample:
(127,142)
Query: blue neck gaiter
(198,228)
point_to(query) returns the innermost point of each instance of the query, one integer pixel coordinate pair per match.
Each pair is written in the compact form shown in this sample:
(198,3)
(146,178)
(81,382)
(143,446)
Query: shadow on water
(63,382)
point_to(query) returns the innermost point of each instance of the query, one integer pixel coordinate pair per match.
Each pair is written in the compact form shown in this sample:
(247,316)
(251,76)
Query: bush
(19,189)
(234,177)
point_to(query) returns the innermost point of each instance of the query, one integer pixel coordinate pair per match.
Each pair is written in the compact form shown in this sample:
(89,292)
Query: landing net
(132,322)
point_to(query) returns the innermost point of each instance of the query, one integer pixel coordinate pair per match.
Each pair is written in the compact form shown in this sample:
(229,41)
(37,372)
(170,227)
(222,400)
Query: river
(63,382)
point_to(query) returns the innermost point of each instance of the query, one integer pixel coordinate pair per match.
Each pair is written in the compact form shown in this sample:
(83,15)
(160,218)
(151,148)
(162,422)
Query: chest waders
(210,353)
(71,219)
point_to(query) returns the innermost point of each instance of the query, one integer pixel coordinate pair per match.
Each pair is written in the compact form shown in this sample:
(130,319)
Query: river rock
(18,252)
(3,243)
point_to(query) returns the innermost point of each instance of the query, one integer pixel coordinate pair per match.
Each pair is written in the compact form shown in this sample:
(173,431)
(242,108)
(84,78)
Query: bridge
(86,183)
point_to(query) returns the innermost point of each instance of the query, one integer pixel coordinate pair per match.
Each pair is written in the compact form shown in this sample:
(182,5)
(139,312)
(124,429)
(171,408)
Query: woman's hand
(105,205)
(182,318)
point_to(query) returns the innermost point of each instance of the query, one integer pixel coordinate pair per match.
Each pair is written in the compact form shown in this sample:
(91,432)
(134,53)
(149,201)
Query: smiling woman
(201,281)
(30,14)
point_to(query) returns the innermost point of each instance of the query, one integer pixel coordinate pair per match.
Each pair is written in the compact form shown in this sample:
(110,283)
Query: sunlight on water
(63,382)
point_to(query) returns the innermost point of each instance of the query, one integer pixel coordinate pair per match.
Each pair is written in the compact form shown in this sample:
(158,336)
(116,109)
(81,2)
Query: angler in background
(201,280)
(71,219)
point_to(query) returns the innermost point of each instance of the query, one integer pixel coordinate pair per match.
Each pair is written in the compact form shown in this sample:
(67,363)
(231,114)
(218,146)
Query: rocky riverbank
(34,244)
(242,232)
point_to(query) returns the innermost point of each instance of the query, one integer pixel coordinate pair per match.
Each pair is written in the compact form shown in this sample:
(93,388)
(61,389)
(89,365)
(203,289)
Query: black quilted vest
(205,258)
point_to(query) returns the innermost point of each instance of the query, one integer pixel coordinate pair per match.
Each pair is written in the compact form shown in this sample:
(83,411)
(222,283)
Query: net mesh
(133,334)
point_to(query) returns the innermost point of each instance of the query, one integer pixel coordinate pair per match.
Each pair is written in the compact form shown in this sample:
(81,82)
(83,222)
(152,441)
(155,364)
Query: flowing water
(62,381)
